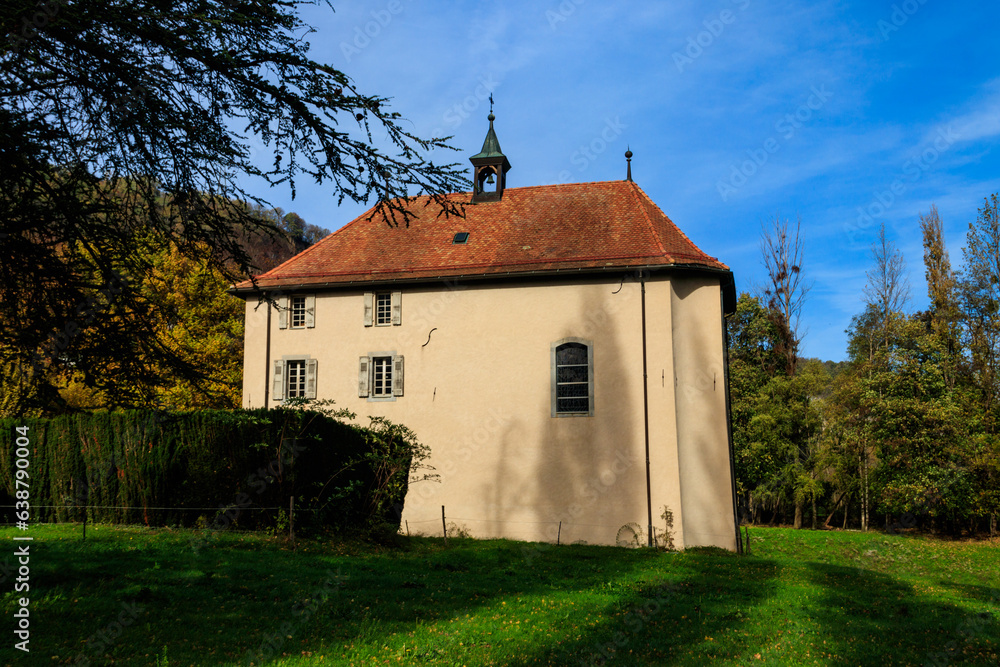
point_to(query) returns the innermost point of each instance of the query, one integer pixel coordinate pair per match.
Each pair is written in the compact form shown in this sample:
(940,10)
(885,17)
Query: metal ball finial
(491,117)
(628,154)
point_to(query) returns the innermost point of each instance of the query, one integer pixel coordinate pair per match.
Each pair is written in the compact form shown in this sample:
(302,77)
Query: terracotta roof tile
(541,228)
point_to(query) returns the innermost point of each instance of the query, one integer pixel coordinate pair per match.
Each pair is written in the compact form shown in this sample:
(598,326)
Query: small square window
(298,312)
(383,308)
(461,238)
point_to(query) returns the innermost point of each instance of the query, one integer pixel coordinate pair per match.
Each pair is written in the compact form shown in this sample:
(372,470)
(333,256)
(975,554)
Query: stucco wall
(479,394)
(702,436)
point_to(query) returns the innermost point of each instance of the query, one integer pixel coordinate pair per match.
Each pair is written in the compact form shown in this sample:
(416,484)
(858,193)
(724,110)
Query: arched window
(572,378)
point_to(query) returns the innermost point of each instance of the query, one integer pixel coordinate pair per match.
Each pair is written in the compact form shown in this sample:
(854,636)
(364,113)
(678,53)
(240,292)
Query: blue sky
(843,114)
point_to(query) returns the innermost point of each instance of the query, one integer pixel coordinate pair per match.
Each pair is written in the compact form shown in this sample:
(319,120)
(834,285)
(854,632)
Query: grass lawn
(155,597)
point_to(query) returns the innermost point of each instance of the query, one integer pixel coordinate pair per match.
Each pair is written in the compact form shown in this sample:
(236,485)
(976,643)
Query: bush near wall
(158,468)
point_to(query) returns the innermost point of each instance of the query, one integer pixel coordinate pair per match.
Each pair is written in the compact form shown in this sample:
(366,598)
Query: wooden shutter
(369,304)
(310,378)
(282,312)
(397,308)
(363,366)
(310,312)
(279,381)
(397,375)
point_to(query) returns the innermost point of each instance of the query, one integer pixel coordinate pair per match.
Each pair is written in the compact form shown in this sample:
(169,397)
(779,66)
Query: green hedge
(239,464)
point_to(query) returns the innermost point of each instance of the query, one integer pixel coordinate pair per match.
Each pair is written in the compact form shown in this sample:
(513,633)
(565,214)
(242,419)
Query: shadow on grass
(235,602)
(708,593)
(872,618)
(255,599)
(741,610)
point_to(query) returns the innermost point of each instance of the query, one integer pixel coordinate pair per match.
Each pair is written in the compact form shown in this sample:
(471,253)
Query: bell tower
(489,167)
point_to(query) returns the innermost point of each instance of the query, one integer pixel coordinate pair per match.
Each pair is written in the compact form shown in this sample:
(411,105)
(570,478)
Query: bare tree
(887,289)
(784,293)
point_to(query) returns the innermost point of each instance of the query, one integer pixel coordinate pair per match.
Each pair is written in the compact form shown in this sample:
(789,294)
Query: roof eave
(727,283)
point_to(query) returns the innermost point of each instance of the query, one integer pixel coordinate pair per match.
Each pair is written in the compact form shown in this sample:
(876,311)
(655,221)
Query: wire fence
(631,533)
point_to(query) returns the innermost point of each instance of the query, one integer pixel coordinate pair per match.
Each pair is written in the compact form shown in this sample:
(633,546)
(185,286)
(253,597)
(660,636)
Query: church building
(561,349)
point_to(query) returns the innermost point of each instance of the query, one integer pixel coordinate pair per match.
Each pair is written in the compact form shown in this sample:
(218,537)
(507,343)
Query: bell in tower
(490,167)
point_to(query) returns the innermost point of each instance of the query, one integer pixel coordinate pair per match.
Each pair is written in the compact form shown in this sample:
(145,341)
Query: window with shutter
(278,389)
(397,308)
(364,380)
(310,312)
(381,376)
(369,300)
(282,312)
(310,378)
(397,375)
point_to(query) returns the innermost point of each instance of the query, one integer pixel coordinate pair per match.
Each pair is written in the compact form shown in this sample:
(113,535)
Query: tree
(784,292)
(980,288)
(887,290)
(126,120)
(944,313)
(871,349)
(785,295)
(781,432)
(752,340)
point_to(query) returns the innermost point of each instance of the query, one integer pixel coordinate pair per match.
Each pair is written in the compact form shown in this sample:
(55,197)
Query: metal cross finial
(491,102)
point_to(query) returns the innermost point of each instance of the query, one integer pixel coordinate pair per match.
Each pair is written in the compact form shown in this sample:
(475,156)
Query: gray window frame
(366,376)
(286,306)
(395,313)
(279,377)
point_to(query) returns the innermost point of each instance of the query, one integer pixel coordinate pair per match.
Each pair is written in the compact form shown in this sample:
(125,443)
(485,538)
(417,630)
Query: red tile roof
(605,225)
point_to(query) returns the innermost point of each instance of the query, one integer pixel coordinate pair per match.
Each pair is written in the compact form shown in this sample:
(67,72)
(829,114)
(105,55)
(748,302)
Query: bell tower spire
(489,166)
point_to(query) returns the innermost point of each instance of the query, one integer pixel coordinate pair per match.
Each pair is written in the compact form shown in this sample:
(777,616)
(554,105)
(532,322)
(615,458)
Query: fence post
(444,527)
(291,520)
(559,533)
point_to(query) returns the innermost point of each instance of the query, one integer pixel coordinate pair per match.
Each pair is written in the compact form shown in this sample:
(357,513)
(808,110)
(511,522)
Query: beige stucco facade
(477,388)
